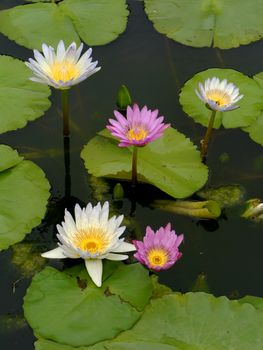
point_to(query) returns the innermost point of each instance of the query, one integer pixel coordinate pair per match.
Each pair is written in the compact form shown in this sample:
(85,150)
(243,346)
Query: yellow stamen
(136,134)
(219,96)
(64,71)
(157,257)
(93,240)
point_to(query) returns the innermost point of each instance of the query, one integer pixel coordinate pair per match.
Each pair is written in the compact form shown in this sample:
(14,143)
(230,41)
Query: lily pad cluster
(31,99)
(131,311)
(199,23)
(171,163)
(24,192)
(96,22)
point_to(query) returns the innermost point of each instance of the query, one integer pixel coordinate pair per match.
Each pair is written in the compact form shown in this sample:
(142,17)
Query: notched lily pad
(24,192)
(96,22)
(21,100)
(213,323)
(199,23)
(250,105)
(171,163)
(58,309)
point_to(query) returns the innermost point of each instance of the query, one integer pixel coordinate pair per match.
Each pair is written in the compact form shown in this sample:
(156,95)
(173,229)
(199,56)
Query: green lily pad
(257,302)
(199,321)
(255,130)
(24,192)
(171,163)
(96,22)
(68,308)
(226,196)
(191,321)
(250,105)
(21,100)
(199,23)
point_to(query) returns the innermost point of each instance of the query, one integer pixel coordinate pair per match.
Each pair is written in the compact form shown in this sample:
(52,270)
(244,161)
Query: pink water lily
(138,128)
(159,251)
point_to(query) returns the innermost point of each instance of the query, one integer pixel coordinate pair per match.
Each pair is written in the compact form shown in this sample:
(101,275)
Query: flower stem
(65,112)
(206,139)
(66,140)
(134,166)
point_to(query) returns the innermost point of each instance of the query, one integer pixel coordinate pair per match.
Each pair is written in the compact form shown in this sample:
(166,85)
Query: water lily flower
(63,68)
(138,128)
(219,95)
(92,236)
(159,251)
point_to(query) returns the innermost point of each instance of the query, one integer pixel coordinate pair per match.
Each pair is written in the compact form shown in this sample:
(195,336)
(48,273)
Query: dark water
(154,68)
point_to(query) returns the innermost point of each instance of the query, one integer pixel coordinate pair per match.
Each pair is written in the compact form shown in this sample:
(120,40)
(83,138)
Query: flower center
(64,71)
(92,240)
(137,134)
(157,257)
(220,97)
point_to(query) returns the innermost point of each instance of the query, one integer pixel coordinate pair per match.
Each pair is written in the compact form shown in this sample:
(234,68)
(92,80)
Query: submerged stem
(134,165)
(65,112)
(206,139)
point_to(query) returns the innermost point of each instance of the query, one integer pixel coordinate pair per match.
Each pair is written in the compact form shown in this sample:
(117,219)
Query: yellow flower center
(136,134)
(157,257)
(64,71)
(219,96)
(93,240)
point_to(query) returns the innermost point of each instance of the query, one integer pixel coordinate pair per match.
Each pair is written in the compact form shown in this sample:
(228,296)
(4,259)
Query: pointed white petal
(124,247)
(116,257)
(94,268)
(56,253)
(60,50)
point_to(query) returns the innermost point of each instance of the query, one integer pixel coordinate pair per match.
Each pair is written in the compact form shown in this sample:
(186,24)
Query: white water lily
(92,236)
(63,68)
(219,95)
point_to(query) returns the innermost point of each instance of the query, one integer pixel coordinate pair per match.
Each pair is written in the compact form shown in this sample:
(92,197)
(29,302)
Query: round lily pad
(199,321)
(250,105)
(24,192)
(199,23)
(96,22)
(21,100)
(171,163)
(68,308)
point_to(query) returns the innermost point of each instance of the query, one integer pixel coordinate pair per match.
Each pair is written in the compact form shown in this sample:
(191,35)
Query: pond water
(227,251)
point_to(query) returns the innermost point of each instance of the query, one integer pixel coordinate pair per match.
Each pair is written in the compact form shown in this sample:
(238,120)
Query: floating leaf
(171,163)
(8,157)
(21,100)
(68,308)
(250,105)
(175,321)
(96,22)
(199,23)
(24,192)
(198,321)
(255,130)
(257,302)
(225,196)
(199,209)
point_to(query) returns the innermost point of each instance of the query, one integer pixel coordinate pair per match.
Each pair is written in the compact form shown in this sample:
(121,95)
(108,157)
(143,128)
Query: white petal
(56,253)
(116,257)
(60,50)
(94,268)
(124,247)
